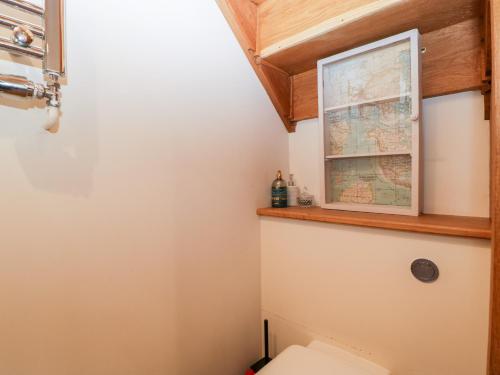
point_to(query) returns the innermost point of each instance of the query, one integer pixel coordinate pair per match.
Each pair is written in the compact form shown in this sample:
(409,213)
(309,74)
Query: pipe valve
(22,87)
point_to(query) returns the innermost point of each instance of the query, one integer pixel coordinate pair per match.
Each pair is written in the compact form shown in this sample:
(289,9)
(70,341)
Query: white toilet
(320,359)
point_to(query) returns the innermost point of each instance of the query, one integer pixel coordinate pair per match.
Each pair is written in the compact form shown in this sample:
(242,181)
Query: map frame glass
(369,102)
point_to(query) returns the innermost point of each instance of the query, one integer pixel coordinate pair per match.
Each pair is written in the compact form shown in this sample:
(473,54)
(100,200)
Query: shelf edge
(457,226)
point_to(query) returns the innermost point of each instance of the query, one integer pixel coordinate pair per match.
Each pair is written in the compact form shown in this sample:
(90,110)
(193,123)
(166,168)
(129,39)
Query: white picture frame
(414,38)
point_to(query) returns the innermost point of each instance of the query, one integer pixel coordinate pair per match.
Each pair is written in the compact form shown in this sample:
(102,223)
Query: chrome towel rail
(54,60)
(52,54)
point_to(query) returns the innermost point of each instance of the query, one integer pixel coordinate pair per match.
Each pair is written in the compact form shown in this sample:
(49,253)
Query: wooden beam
(486,56)
(486,59)
(294,34)
(494,362)
(242,17)
(451,63)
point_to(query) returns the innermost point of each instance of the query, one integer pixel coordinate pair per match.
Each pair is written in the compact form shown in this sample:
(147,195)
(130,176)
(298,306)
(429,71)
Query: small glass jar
(305,199)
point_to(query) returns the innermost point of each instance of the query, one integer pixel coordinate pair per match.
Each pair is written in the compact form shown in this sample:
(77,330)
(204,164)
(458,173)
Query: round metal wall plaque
(425,270)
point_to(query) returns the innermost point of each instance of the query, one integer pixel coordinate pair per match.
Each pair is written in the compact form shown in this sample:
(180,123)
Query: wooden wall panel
(305,95)
(242,17)
(247,20)
(280,96)
(494,368)
(452,63)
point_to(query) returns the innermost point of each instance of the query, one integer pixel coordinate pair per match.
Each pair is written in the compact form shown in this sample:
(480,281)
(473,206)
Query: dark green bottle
(279,192)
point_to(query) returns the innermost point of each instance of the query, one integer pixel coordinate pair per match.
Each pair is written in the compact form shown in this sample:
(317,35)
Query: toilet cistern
(321,359)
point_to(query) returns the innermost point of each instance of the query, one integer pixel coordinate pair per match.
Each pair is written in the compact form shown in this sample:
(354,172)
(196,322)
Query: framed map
(370,101)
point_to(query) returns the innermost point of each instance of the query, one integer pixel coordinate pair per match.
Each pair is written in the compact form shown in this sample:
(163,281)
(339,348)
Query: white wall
(456,155)
(353,286)
(130,243)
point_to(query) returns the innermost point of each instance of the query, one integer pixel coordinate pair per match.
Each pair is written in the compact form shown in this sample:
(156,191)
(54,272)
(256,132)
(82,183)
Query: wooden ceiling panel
(281,19)
(305,44)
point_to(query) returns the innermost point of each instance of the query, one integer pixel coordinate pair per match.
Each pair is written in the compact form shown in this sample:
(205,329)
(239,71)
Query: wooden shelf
(460,226)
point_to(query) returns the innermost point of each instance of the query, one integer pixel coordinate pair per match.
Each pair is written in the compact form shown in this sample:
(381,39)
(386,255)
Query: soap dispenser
(279,192)
(293,192)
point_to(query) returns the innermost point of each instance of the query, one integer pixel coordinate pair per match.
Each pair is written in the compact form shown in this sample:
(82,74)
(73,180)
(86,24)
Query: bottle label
(293,194)
(279,197)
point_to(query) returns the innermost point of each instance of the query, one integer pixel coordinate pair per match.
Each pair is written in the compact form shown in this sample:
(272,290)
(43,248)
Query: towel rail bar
(7,45)
(24,6)
(11,22)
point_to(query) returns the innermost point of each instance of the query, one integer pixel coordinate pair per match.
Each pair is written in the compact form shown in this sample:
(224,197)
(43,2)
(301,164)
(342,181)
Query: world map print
(370,76)
(383,180)
(371,128)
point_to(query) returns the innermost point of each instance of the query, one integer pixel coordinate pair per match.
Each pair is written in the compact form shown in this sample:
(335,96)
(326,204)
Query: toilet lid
(297,360)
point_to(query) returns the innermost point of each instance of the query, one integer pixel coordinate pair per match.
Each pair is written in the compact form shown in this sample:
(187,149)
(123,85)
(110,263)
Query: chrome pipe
(7,45)
(25,6)
(55,56)
(11,23)
(20,86)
